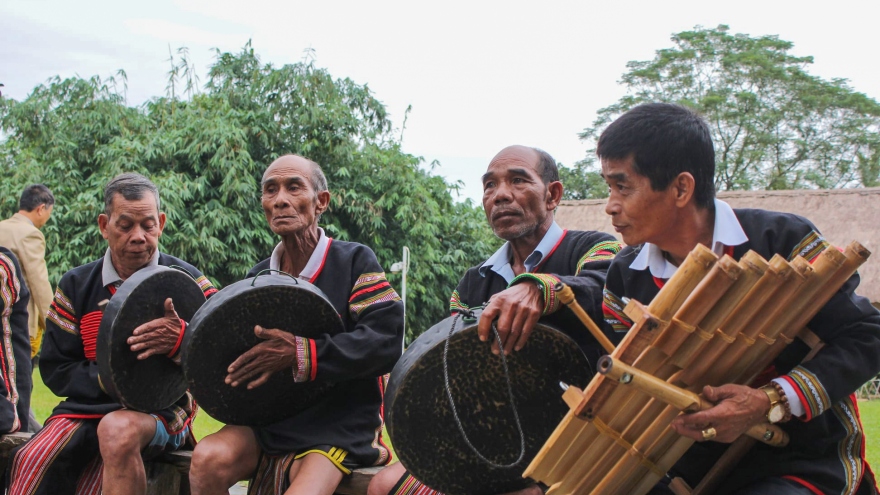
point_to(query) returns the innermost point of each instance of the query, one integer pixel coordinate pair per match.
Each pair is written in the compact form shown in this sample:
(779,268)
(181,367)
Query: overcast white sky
(479,75)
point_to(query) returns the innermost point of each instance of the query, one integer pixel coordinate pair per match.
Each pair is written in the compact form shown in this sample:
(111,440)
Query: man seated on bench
(659,163)
(308,453)
(90,444)
(15,388)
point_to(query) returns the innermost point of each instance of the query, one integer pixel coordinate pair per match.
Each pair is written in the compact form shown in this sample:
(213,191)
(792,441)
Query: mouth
(504,214)
(618,228)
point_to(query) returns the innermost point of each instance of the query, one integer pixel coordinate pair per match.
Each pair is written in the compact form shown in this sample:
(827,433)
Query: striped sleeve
(207,287)
(455,303)
(61,313)
(602,251)
(10,287)
(370,288)
(612,310)
(810,247)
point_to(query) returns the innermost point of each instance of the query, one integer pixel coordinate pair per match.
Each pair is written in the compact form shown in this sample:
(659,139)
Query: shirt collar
(727,232)
(316,260)
(108,272)
(500,261)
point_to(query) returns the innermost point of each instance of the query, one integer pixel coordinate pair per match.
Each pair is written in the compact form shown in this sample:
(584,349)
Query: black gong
(156,382)
(223,329)
(421,423)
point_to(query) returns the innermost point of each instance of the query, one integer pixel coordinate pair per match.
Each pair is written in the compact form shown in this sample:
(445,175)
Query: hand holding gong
(277,353)
(157,337)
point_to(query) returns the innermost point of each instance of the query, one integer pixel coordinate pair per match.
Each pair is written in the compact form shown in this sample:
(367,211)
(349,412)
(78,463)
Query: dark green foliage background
(775,126)
(207,147)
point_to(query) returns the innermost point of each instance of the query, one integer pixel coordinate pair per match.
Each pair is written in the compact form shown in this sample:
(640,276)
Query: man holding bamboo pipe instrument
(659,163)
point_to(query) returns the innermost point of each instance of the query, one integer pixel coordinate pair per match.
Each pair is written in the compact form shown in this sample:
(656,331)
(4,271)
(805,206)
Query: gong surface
(157,382)
(223,329)
(421,423)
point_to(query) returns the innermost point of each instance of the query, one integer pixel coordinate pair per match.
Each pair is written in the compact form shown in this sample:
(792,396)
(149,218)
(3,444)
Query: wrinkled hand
(517,310)
(156,337)
(278,352)
(737,408)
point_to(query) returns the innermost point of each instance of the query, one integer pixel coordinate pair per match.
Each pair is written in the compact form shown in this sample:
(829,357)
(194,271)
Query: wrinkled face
(132,231)
(639,213)
(516,200)
(44,212)
(289,199)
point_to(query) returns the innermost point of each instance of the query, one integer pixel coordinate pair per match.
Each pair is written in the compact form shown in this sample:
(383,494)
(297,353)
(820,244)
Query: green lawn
(43,401)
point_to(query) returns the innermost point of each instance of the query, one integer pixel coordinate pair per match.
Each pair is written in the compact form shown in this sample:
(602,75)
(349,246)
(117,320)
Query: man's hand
(517,310)
(157,337)
(277,353)
(737,408)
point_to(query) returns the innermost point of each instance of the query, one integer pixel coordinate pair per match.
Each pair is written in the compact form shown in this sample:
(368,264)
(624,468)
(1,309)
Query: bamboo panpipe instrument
(710,313)
(566,295)
(684,400)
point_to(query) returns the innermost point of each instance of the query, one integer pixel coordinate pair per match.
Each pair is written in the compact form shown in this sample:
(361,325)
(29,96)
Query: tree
(775,126)
(207,148)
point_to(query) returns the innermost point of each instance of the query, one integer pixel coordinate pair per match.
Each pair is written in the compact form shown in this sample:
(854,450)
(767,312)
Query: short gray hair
(132,186)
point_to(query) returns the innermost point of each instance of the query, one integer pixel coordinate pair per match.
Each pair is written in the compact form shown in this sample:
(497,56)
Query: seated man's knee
(122,433)
(221,458)
(384,480)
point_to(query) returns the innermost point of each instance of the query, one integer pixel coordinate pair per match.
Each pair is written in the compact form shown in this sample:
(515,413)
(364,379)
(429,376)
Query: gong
(157,382)
(433,444)
(223,329)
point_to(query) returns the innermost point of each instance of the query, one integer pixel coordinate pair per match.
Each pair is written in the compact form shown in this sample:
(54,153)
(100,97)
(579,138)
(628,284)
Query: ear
(162,219)
(103,220)
(554,195)
(683,188)
(323,202)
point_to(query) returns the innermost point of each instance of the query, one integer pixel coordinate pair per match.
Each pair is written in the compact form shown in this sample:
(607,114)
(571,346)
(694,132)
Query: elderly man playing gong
(90,444)
(309,452)
(659,163)
(521,190)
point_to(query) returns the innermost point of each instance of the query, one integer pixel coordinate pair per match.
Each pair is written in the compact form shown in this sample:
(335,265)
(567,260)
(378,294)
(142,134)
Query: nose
(138,235)
(501,193)
(612,206)
(281,200)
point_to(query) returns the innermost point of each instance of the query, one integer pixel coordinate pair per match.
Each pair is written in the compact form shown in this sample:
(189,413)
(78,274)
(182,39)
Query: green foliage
(582,181)
(207,149)
(775,126)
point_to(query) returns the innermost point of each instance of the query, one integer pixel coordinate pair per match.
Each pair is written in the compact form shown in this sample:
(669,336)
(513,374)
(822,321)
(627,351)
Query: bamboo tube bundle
(715,321)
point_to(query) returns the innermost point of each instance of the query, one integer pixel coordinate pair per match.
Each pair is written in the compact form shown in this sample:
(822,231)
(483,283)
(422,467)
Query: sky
(478,75)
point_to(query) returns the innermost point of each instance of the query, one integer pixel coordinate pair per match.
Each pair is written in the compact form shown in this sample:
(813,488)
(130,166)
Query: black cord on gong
(522,437)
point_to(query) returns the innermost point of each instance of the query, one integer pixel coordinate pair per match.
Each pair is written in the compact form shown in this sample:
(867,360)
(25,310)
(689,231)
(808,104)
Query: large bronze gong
(223,330)
(156,382)
(422,425)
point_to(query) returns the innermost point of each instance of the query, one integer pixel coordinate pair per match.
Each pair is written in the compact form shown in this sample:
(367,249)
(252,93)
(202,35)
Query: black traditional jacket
(580,260)
(827,449)
(15,348)
(350,415)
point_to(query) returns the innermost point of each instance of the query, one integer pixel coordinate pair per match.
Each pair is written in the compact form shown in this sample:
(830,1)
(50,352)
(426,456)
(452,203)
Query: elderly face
(289,200)
(515,198)
(132,231)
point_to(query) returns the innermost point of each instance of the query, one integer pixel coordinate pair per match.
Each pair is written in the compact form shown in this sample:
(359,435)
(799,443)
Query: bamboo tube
(680,285)
(824,267)
(680,398)
(704,297)
(854,256)
(753,267)
(762,294)
(670,456)
(566,295)
(553,456)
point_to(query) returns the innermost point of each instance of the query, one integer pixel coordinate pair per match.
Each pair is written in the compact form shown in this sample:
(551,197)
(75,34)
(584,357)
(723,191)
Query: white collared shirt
(727,232)
(108,271)
(316,260)
(500,261)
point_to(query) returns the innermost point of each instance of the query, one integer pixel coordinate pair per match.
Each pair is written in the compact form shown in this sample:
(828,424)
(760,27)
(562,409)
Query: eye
(488,185)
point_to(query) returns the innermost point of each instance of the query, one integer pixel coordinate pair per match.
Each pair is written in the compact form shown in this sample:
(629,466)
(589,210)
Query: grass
(43,401)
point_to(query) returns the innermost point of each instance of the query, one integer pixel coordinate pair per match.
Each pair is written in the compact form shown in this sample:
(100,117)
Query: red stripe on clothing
(31,461)
(544,260)
(808,413)
(58,309)
(112,289)
(210,291)
(313,355)
(607,310)
(728,250)
(804,483)
(659,282)
(91,479)
(88,332)
(323,260)
(368,289)
(9,277)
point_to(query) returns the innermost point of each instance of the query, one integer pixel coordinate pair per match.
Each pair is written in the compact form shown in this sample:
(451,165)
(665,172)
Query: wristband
(179,338)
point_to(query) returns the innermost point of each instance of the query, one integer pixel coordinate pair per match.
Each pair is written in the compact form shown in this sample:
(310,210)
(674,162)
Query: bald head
(544,164)
(316,174)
